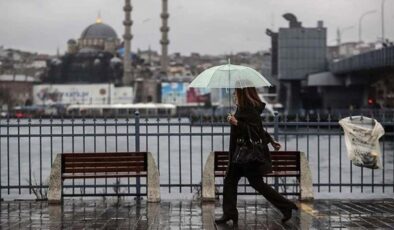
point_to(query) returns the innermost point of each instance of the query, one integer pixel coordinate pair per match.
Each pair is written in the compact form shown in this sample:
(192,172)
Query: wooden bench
(104,165)
(285,164)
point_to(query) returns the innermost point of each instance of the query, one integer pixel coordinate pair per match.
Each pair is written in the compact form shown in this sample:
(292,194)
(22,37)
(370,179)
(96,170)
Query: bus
(122,110)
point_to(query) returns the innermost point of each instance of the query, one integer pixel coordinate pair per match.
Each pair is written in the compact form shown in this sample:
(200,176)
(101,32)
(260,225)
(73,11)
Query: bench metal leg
(208,179)
(55,182)
(306,183)
(153,180)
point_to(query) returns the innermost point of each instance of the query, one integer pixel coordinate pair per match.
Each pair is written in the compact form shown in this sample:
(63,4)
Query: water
(180,158)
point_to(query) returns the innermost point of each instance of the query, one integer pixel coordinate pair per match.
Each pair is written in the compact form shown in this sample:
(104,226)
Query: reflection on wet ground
(173,214)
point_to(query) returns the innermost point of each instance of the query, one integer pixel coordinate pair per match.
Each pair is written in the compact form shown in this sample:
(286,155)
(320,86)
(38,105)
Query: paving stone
(174,214)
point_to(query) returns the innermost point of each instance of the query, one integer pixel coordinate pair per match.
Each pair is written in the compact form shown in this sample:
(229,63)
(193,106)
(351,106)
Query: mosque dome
(98,37)
(99,30)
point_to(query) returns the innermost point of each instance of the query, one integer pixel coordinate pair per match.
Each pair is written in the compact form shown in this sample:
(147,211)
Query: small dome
(99,30)
(96,61)
(72,41)
(115,60)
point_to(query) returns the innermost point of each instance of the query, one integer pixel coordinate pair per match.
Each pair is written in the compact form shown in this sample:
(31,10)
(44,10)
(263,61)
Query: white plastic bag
(362,141)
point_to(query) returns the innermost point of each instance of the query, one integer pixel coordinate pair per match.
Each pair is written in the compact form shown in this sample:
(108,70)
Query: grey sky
(205,26)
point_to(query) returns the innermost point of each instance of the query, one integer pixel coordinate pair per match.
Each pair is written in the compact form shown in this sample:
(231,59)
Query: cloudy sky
(205,26)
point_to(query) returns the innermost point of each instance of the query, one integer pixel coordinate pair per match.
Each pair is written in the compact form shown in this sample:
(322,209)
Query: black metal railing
(180,147)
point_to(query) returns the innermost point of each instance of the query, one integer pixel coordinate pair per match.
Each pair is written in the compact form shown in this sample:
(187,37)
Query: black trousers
(253,173)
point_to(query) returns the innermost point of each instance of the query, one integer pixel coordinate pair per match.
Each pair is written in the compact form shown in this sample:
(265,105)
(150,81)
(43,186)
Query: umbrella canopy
(229,76)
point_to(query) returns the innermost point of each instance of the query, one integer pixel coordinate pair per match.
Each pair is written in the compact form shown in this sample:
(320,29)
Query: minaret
(164,37)
(127,74)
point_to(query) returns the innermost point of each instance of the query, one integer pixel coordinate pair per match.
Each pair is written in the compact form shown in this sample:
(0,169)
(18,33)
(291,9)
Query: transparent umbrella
(229,77)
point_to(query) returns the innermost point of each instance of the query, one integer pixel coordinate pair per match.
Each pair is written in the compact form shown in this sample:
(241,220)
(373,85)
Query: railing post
(276,136)
(276,124)
(137,149)
(1,198)
(137,131)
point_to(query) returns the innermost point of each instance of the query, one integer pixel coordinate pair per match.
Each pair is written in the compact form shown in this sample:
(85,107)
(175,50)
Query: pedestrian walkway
(174,214)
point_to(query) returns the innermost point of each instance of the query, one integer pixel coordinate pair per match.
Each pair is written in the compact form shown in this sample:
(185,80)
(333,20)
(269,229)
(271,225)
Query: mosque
(98,57)
(93,58)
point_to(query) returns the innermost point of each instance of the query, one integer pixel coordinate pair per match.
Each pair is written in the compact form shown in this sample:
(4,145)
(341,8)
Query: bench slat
(102,159)
(283,174)
(104,154)
(103,175)
(284,152)
(274,163)
(222,168)
(284,157)
(224,161)
(284,163)
(274,174)
(104,169)
(284,168)
(274,168)
(104,164)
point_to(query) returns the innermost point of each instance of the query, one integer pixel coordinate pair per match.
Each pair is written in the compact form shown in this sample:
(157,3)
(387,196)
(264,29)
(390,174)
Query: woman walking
(246,125)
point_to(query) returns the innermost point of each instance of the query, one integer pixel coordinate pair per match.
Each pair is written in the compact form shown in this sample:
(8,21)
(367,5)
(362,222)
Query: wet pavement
(174,214)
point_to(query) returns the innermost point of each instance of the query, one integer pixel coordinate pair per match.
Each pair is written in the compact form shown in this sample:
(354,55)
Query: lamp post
(360,21)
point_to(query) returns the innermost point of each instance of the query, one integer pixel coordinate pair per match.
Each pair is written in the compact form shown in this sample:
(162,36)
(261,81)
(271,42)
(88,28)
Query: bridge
(381,60)
(360,81)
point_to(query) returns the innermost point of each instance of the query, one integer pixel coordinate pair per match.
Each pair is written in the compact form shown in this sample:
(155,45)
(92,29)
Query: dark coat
(249,116)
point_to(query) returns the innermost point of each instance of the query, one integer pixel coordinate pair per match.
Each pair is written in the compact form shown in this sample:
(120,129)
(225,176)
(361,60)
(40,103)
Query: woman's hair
(248,97)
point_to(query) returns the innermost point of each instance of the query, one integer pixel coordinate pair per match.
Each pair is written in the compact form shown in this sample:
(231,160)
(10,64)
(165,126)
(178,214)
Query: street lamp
(360,21)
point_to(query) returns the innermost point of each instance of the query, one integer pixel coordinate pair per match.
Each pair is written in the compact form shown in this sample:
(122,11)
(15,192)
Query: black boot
(225,218)
(287,213)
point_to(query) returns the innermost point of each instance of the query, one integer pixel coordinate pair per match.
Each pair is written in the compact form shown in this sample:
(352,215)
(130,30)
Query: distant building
(81,94)
(15,90)
(90,59)
(149,57)
(296,52)
(348,49)
(270,94)
(179,93)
